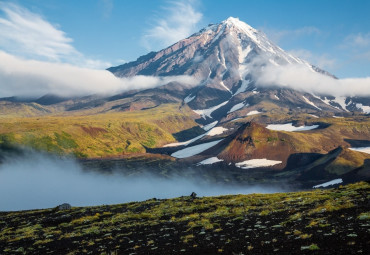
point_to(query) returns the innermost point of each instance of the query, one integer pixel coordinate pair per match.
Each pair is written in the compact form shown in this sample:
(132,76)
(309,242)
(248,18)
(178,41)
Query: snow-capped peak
(235,22)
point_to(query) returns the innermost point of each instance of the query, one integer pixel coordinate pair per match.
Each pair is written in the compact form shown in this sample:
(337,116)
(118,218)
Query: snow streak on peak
(235,22)
(248,38)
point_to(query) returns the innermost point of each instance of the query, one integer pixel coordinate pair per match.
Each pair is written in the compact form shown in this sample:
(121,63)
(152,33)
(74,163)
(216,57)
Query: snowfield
(253,113)
(289,127)
(189,98)
(236,107)
(194,150)
(216,131)
(186,142)
(210,125)
(210,161)
(361,149)
(364,108)
(310,102)
(212,131)
(326,184)
(207,112)
(254,163)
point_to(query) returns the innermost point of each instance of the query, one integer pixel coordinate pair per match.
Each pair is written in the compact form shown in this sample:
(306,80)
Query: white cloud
(320,60)
(32,78)
(27,34)
(358,45)
(301,78)
(357,40)
(107,8)
(279,35)
(181,20)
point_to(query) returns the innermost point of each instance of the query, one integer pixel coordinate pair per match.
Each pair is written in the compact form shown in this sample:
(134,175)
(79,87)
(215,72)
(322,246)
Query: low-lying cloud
(42,181)
(32,78)
(302,78)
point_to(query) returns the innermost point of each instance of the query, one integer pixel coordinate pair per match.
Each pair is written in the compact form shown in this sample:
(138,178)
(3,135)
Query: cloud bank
(180,21)
(301,77)
(31,78)
(42,181)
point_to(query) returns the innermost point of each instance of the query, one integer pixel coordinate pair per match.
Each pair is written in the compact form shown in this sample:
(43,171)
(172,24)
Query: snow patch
(243,53)
(253,113)
(210,125)
(243,87)
(189,98)
(207,112)
(312,115)
(254,163)
(212,131)
(224,86)
(186,142)
(194,150)
(216,131)
(342,102)
(338,117)
(326,184)
(277,97)
(236,107)
(361,149)
(364,108)
(289,127)
(310,102)
(210,161)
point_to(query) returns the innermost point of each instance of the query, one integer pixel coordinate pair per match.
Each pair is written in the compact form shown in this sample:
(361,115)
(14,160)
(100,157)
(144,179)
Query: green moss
(79,154)
(272,139)
(43,143)
(7,139)
(64,141)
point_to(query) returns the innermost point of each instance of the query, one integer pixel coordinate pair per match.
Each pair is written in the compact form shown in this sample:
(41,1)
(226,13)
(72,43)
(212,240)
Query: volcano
(227,59)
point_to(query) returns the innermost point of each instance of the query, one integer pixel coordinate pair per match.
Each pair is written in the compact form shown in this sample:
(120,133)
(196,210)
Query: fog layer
(41,181)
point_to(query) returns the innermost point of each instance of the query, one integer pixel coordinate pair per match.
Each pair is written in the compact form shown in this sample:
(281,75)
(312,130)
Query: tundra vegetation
(330,221)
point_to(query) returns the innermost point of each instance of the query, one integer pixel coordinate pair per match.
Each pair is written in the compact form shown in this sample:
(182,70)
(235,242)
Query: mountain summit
(226,58)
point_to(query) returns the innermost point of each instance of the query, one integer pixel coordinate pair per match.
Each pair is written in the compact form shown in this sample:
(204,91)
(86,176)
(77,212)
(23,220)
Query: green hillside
(98,135)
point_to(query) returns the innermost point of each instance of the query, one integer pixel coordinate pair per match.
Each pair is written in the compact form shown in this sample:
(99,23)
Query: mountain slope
(226,58)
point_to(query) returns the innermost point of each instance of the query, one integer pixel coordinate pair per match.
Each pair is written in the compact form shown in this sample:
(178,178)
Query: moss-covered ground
(332,221)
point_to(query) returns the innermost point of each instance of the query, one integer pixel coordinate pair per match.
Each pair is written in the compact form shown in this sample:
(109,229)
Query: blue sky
(334,35)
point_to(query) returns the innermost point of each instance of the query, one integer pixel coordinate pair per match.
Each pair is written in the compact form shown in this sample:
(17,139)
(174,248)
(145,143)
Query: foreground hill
(334,221)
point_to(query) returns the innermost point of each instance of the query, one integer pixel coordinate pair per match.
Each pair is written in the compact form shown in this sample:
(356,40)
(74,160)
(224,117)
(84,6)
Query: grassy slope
(309,222)
(10,109)
(98,135)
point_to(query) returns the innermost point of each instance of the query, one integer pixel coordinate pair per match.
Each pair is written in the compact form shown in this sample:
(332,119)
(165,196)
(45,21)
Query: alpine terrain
(223,121)
(230,117)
